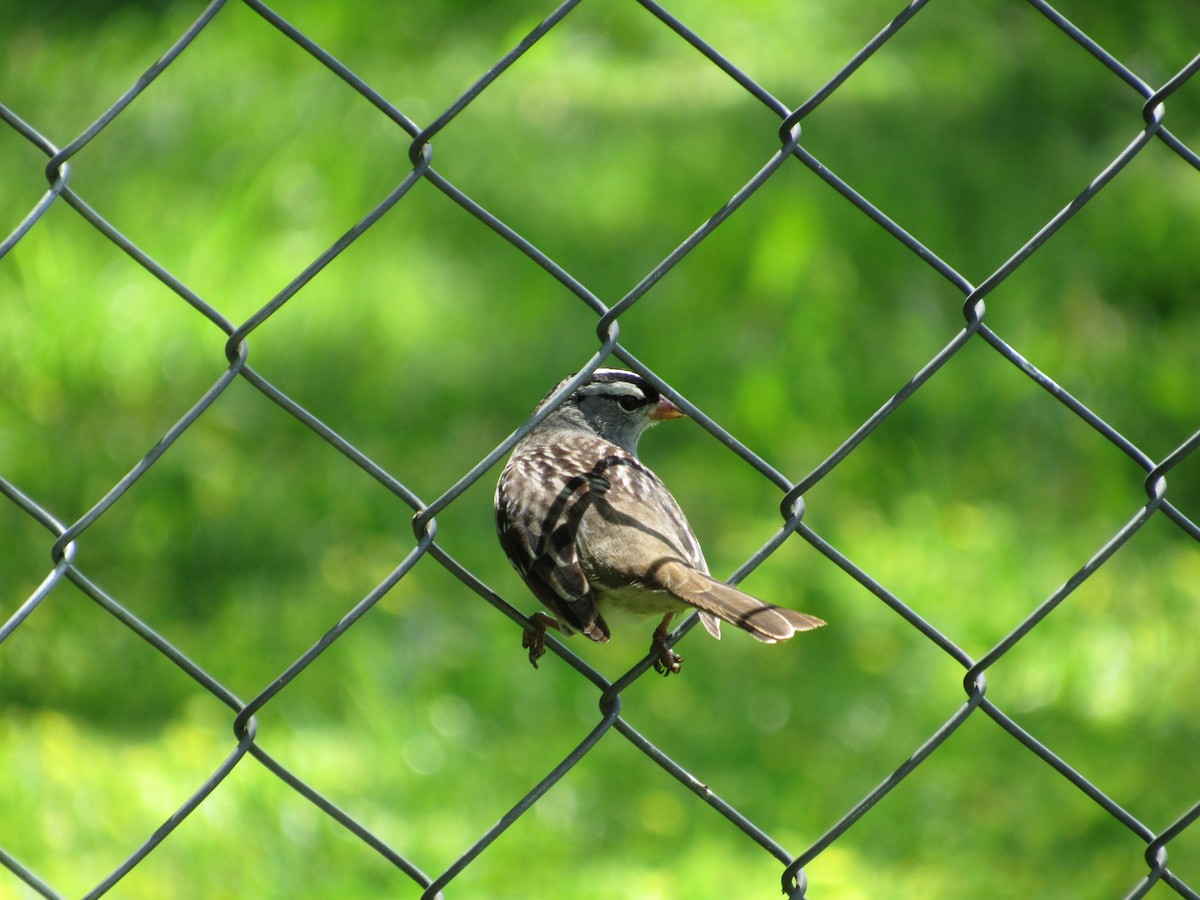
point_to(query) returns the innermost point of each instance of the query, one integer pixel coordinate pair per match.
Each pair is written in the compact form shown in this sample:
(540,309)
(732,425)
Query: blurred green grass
(430,339)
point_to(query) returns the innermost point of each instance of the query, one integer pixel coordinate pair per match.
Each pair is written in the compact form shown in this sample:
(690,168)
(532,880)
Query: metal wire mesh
(613,724)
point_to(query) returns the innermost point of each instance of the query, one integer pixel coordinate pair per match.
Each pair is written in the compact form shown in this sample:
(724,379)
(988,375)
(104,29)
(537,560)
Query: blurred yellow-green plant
(430,339)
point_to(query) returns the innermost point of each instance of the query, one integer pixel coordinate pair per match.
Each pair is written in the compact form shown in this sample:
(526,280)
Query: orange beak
(665,409)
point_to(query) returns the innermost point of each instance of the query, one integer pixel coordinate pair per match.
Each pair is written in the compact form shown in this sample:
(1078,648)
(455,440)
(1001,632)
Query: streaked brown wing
(538,536)
(634,526)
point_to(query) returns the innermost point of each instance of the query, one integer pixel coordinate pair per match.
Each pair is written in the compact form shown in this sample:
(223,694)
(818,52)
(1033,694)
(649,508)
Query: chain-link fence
(615,721)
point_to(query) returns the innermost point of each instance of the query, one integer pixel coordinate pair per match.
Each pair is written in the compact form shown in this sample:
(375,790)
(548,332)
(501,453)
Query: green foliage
(430,339)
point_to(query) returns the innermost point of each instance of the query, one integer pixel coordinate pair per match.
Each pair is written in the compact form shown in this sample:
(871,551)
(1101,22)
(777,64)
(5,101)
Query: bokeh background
(431,339)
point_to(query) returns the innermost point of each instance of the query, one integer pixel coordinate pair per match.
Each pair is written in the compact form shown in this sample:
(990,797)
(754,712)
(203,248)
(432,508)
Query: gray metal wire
(612,720)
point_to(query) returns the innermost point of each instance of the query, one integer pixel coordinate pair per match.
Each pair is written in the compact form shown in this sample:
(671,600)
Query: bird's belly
(636,601)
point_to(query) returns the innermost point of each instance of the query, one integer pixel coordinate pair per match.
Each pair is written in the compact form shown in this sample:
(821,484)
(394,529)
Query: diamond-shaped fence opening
(927,276)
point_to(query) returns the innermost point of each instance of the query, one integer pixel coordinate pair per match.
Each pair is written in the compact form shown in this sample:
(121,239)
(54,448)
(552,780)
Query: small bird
(592,531)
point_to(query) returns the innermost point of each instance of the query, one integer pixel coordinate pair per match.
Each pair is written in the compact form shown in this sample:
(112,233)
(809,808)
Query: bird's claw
(533,638)
(668,662)
(535,642)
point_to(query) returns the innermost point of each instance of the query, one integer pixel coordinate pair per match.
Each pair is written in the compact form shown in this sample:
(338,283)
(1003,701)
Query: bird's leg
(667,660)
(534,639)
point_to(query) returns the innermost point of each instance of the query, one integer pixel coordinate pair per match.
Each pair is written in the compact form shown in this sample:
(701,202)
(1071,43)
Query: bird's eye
(629,403)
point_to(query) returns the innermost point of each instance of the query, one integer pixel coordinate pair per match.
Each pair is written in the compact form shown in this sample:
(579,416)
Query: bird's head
(616,405)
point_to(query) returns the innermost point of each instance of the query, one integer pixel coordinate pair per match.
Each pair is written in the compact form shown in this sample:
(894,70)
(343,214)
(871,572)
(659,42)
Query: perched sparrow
(592,530)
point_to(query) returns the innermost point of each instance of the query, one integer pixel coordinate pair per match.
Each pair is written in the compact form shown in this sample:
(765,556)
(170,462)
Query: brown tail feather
(767,622)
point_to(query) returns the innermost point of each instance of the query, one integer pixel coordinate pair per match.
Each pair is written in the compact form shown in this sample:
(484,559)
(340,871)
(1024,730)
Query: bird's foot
(533,638)
(669,662)
(666,661)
